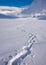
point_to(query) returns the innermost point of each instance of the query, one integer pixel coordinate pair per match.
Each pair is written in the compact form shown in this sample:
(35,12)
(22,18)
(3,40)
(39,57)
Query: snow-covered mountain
(37,8)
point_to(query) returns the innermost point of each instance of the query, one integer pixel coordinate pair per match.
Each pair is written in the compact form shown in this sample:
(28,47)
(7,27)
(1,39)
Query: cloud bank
(10,12)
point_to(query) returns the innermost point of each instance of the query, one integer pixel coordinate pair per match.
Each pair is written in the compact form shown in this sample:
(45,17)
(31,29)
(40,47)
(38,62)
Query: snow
(14,34)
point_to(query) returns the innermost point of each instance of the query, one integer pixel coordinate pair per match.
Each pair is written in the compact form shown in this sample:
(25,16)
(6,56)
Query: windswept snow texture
(14,34)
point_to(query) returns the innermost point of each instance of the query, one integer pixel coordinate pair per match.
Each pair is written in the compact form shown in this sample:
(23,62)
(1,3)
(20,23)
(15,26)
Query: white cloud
(11,11)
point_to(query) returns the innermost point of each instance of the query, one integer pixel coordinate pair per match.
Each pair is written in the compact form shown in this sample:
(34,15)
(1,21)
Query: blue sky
(18,3)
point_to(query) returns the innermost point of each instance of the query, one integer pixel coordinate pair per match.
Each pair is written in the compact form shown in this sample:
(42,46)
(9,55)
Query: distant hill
(7,16)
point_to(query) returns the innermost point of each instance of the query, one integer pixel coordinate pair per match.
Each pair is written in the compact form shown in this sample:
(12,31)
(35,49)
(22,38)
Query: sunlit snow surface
(14,34)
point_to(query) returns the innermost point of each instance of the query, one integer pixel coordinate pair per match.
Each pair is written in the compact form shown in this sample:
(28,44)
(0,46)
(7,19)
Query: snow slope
(14,34)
